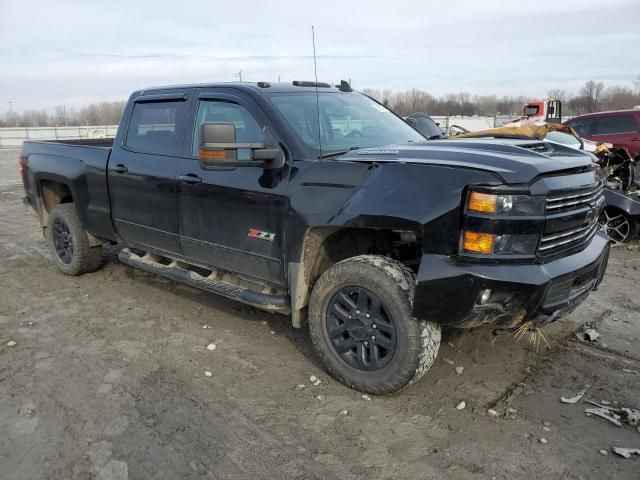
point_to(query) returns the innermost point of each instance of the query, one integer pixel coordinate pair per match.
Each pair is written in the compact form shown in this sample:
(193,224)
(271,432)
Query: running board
(174,271)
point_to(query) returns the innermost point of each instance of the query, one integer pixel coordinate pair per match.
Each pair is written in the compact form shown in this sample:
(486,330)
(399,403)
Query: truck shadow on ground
(487,366)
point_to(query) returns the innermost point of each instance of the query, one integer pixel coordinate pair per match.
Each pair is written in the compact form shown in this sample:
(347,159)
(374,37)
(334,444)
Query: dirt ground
(106,380)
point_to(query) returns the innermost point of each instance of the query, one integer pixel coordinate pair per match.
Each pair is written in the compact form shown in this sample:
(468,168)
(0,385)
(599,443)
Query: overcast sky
(75,53)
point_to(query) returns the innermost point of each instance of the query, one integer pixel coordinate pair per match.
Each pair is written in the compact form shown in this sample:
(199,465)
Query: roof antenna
(315,72)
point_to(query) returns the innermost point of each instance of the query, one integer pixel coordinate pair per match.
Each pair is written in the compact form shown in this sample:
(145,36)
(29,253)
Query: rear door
(142,173)
(232,218)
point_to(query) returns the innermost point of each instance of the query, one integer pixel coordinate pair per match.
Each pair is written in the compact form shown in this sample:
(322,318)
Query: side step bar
(263,301)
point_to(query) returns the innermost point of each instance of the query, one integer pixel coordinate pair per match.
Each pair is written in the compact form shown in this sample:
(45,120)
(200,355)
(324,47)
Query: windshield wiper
(337,153)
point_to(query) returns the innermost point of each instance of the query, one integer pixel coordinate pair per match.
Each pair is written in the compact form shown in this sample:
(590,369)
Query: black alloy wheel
(62,241)
(360,329)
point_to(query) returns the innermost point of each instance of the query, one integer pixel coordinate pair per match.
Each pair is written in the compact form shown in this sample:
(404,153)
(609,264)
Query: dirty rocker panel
(177,271)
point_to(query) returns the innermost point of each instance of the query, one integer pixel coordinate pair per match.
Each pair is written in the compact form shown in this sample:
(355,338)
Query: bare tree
(60,115)
(558,94)
(486,105)
(34,118)
(591,93)
(619,98)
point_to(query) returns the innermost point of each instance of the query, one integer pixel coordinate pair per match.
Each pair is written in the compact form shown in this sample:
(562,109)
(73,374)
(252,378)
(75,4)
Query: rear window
(152,127)
(616,124)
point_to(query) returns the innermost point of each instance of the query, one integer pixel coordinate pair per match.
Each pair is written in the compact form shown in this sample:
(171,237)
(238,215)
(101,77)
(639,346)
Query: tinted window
(247,128)
(427,127)
(615,124)
(582,126)
(152,127)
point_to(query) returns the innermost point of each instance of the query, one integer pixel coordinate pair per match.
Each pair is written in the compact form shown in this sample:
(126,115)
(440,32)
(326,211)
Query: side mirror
(413,122)
(218,146)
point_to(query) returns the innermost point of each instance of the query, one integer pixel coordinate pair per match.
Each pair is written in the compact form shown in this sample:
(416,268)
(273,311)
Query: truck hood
(515,161)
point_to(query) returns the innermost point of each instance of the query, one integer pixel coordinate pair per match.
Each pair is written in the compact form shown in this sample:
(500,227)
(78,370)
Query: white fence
(13,137)
(470,123)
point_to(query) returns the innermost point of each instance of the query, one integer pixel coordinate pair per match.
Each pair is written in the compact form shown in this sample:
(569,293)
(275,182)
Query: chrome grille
(569,238)
(570,203)
(574,199)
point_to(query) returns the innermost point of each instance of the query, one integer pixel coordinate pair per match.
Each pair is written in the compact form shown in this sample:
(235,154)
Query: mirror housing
(413,122)
(218,147)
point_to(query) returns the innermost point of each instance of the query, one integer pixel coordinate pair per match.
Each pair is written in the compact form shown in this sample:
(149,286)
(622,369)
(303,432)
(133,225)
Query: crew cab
(320,203)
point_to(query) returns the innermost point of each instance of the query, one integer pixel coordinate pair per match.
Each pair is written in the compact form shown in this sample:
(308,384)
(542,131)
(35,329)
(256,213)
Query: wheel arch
(324,246)
(52,191)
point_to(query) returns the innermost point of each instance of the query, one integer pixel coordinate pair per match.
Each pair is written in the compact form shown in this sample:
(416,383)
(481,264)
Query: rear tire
(383,352)
(69,242)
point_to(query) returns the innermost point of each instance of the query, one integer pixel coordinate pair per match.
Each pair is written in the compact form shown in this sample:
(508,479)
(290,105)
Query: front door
(142,174)
(232,218)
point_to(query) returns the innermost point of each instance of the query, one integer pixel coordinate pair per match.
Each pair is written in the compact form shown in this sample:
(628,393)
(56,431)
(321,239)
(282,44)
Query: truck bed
(85,142)
(81,166)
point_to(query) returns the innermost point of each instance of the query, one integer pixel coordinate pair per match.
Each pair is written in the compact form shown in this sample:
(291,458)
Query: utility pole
(240,75)
(11,114)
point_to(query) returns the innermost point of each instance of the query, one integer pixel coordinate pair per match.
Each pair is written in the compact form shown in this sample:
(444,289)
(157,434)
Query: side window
(247,128)
(152,127)
(582,126)
(616,124)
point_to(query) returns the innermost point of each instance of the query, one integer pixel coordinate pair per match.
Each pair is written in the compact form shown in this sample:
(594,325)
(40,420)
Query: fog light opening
(484,296)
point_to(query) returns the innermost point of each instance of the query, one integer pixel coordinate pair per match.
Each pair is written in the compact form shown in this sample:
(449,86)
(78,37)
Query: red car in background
(620,128)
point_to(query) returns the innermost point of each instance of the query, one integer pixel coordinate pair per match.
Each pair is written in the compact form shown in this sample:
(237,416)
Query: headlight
(505,204)
(504,244)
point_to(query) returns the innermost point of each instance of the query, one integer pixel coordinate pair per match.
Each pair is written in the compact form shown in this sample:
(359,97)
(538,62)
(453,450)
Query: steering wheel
(353,134)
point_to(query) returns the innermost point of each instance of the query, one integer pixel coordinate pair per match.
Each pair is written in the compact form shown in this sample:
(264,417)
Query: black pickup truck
(320,203)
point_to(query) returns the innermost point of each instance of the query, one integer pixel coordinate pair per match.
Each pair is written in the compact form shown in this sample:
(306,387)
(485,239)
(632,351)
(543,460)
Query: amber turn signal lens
(474,242)
(482,202)
(212,154)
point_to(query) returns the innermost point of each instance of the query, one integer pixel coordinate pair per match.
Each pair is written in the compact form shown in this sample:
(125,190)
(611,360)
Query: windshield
(564,139)
(531,110)
(347,121)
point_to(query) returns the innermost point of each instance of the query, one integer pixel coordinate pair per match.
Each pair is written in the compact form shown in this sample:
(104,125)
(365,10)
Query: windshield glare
(564,139)
(347,121)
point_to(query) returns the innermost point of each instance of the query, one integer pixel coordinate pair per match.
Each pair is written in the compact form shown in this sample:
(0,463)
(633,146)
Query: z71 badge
(254,233)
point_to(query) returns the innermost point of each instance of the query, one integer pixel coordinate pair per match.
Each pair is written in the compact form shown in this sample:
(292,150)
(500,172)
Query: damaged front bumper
(467,295)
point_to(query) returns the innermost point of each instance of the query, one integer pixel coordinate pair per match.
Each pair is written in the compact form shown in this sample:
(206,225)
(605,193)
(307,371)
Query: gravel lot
(106,380)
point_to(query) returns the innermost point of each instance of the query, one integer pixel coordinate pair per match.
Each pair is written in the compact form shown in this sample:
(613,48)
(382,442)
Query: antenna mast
(315,73)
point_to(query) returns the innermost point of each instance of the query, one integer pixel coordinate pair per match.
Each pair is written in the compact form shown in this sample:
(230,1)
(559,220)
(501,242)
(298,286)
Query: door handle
(191,178)
(119,168)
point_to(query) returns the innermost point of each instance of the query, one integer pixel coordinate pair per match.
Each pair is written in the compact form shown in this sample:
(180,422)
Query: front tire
(69,243)
(362,328)
(619,226)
